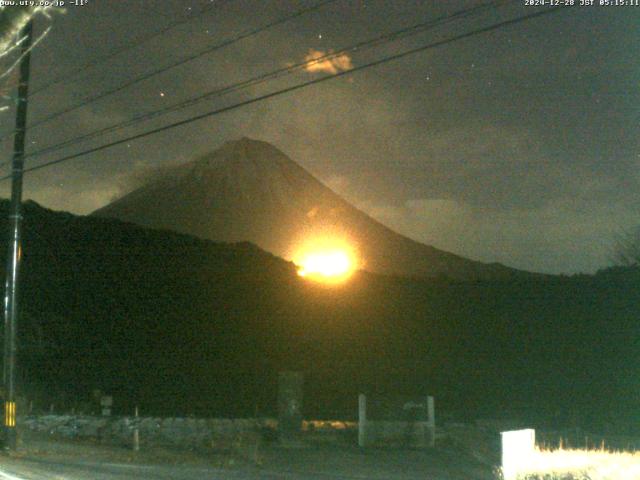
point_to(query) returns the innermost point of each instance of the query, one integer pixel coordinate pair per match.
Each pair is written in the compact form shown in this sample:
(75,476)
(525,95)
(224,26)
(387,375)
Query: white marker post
(431,421)
(362,420)
(518,448)
(136,433)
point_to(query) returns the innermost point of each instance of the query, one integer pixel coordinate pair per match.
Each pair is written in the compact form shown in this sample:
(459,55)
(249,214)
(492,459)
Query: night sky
(518,146)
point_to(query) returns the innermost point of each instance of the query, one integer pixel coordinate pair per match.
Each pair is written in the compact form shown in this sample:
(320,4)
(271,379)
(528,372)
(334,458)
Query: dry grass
(569,464)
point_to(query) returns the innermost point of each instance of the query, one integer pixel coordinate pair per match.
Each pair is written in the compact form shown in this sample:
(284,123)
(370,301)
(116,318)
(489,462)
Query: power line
(148,75)
(294,88)
(381,39)
(134,43)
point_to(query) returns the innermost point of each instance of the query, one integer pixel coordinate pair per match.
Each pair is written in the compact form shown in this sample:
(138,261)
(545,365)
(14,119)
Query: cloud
(60,190)
(333,63)
(147,174)
(63,198)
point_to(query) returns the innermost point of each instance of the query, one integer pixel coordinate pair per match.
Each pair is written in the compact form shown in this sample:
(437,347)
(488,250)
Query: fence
(406,422)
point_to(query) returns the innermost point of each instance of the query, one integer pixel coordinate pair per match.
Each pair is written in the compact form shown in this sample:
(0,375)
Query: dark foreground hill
(180,325)
(248,190)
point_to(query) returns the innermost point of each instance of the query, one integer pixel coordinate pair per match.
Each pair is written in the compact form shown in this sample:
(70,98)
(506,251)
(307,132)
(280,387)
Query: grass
(576,464)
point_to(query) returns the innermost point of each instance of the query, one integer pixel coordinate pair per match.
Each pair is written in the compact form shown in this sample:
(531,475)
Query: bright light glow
(518,447)
(591,464)
(326,264)
(325,260)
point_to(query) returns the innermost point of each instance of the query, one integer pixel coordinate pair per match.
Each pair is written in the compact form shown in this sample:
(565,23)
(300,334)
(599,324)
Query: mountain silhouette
(248,190)
(179,325)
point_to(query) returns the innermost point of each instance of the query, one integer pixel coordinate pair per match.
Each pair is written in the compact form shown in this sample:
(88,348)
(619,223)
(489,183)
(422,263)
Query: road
(321,463)
(41,456)
(41,470)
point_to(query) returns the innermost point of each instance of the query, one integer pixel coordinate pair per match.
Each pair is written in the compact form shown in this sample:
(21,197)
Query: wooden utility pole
(15,248)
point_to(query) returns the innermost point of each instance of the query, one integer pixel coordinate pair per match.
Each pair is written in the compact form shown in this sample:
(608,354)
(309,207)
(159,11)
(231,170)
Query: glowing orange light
(325,260)
(326,264)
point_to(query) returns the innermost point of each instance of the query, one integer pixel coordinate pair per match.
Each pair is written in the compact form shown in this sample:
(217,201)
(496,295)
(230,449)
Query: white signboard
(518,447)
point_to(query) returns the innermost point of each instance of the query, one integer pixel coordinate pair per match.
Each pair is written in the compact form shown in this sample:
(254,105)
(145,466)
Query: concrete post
(290,405)
(136,433)
(431,421)
(362,420)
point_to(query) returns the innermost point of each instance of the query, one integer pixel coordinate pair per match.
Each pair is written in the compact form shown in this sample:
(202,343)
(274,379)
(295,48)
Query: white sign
(518,447)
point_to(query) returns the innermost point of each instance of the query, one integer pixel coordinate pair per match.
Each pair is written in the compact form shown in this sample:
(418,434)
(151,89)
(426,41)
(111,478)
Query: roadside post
(290,406)
(136,432)
(362,420)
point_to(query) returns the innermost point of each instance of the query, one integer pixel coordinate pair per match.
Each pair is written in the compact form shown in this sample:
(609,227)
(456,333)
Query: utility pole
(15,248)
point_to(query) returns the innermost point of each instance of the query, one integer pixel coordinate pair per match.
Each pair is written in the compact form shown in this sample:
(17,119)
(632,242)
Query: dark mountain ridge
(248,190)
(180,325)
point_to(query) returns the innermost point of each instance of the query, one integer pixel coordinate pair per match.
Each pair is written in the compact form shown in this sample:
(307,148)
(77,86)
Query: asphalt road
(41,470)
(305,464)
